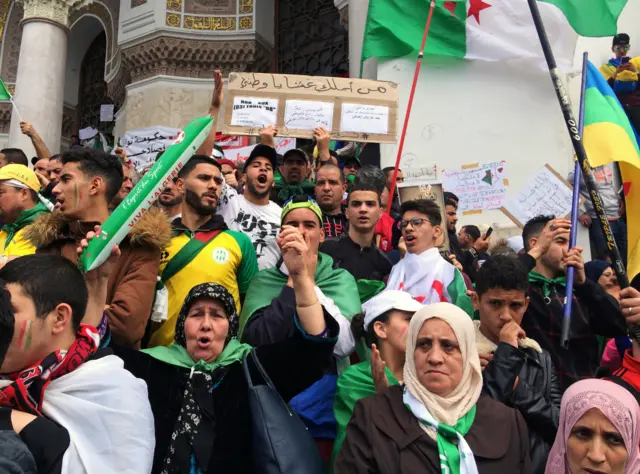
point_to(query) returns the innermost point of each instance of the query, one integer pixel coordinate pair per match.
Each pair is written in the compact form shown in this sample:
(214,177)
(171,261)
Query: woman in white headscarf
(437,422)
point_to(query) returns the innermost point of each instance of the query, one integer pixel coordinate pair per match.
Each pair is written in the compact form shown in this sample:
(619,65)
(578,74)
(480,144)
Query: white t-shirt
(260,223)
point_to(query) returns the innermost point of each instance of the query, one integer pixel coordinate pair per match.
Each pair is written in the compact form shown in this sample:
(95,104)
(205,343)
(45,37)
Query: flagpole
(15,107)
(575,203)
(416,74)
(581,154)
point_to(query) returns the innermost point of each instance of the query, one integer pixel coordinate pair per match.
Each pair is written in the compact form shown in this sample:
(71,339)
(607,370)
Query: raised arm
(41,149)
(214,110)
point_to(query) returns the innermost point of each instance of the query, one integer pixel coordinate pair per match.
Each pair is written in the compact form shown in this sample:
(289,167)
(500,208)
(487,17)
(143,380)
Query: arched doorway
(93,89)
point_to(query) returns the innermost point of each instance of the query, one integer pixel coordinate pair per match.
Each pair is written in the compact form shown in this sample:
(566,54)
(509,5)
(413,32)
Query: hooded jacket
(132,283)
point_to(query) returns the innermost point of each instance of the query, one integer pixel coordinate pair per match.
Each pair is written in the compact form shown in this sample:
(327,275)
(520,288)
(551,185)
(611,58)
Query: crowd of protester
(283,282)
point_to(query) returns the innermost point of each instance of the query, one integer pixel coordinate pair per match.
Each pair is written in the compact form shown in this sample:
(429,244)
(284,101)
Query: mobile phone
(625,60)
(489,232)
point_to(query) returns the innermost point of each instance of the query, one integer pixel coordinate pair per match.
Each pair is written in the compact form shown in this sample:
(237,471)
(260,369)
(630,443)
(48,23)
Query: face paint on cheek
(75,195)
(24,340)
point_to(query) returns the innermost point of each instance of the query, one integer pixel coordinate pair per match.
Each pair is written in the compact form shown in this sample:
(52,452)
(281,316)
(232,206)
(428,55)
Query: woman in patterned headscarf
(599,430)
(197,388)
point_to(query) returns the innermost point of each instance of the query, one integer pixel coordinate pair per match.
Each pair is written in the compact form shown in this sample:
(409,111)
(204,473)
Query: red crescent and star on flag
(475,7)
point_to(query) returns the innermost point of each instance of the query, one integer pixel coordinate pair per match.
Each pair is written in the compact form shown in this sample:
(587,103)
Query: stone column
(41,71)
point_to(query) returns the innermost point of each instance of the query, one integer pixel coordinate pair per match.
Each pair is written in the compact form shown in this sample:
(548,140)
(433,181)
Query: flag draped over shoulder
(610,137)
(491,30)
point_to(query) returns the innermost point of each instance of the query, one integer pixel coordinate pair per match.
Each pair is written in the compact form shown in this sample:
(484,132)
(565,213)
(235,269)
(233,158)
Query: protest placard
(144,144)
(358,110)
(546,194)
(479,186)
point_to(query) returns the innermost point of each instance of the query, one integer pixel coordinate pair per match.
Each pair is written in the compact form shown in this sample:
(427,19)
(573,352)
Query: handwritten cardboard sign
(357,110)
(479,186)
(546,194)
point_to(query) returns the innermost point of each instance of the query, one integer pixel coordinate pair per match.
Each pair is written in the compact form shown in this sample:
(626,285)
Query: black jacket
(537,395)
(293,365)
(593,313)
(368,263)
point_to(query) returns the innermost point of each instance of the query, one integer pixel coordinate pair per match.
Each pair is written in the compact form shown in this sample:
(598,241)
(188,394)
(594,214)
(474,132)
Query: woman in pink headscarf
(599,431)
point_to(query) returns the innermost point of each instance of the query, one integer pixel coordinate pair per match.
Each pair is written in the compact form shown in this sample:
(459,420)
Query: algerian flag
(491,30)
(429,278)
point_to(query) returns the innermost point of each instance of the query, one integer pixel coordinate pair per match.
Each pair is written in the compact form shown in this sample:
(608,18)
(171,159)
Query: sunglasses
(621,47)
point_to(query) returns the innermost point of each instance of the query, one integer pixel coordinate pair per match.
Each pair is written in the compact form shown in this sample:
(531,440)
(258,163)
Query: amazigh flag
(610,137)
(429,278)
(491,30)
(4,91)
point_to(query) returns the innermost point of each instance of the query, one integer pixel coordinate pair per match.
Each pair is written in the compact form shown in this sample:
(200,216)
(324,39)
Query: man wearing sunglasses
(423,272)
(622,74)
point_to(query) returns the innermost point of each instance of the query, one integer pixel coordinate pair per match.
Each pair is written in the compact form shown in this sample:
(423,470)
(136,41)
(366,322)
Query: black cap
(295,152)
(621,39)
(264,151)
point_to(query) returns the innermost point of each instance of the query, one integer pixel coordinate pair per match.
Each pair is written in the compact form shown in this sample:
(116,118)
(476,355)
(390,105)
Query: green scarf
(25,218)
(286,191)
(177,355)
(546,283)
(337,284)
(356,383)
(455,455)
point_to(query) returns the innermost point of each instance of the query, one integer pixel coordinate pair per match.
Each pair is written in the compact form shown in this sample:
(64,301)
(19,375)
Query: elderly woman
(197,388)
(599,431)
(438,422)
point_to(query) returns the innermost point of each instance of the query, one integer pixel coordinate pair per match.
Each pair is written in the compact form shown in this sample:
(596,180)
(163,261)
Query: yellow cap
(20,173)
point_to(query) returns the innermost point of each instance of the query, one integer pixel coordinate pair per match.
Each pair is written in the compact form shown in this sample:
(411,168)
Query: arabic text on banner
(144,144)
(480,187)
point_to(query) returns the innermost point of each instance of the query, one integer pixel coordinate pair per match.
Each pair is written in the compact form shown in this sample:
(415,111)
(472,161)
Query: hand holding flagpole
(581,154)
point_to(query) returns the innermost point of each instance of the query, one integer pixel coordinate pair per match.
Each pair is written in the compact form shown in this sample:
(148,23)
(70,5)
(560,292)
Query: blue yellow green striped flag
(610,137)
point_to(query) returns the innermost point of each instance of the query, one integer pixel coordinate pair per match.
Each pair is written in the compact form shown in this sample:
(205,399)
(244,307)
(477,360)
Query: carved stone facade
(52,10)
(11,42)
(193,58)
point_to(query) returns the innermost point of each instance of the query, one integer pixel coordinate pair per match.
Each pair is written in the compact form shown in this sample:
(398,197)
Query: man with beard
(593,312)
(90,180)
(125,189)
(294,182)
(170,201)
(252,213)
(203,249)
(356,251)
(330,187)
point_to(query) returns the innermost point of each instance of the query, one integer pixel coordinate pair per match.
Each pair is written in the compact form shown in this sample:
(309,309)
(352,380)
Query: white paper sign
(546,194)
(479,188)
(106,112)
(364,118)
(241,154)
(254,112)
(429,173)
(144,144)
(307,115)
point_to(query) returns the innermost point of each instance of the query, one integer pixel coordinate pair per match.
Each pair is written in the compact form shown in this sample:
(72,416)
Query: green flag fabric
(336,284)
(4,91)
